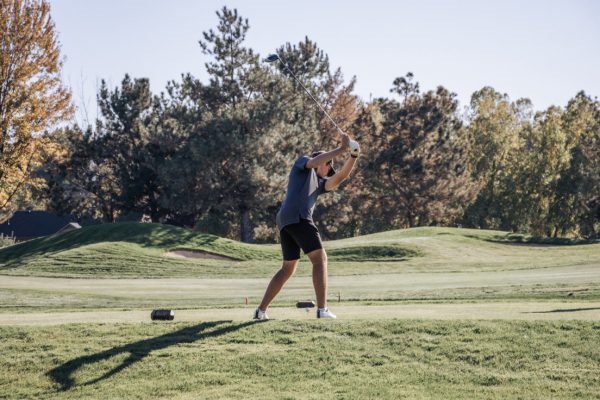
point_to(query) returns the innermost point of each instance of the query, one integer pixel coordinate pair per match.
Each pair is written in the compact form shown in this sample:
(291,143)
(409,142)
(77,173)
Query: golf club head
(272,58)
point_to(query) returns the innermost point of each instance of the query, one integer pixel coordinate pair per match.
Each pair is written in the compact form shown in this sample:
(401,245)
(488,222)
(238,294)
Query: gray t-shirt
(304,186)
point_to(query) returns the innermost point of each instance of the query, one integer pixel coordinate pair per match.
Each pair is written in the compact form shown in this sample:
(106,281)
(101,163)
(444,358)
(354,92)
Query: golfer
(310,177)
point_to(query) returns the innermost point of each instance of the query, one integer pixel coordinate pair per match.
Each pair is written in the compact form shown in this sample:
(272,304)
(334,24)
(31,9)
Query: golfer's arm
(341,175)
(323,158)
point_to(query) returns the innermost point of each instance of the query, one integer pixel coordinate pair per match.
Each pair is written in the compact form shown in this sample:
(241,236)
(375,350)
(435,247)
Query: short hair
(330,162)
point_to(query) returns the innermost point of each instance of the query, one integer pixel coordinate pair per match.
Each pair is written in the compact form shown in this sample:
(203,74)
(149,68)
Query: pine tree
(80,179)
(125,134)
(260,121)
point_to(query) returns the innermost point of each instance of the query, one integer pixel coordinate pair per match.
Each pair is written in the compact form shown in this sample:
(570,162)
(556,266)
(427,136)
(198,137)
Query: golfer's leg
(319,261)
(287,270)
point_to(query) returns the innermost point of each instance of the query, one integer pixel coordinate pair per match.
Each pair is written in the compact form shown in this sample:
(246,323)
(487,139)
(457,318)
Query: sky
(546,51)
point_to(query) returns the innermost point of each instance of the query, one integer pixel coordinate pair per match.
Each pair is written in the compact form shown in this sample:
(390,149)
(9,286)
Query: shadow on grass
(138,350)
(372,253)
(563,310)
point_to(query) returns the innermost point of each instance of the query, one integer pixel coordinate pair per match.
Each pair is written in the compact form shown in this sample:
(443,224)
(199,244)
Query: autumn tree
(32,97)
(356,207)
(421,173)
(495,125)
(575,206)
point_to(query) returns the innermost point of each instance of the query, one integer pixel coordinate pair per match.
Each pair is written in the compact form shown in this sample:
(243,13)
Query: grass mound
(149,236)
(138,250)
(124,250)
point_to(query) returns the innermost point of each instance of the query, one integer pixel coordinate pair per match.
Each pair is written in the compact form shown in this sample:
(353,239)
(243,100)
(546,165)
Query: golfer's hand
(345,141)
(354,149)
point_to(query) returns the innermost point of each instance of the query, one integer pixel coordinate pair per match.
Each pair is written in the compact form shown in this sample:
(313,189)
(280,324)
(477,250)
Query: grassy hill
(129,250)
(134,249)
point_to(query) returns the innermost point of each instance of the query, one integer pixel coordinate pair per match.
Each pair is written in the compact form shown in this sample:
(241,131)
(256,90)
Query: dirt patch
(181,253)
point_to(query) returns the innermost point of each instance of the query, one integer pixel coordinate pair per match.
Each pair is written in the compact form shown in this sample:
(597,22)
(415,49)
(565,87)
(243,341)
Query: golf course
(422,312)
(226,199)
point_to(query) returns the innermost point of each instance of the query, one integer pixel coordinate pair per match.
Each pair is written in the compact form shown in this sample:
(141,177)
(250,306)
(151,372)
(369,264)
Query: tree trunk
(154,214)
(412,220)
(245,228)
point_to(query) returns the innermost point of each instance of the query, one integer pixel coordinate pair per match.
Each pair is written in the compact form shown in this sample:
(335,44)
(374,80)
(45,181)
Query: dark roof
(33,224)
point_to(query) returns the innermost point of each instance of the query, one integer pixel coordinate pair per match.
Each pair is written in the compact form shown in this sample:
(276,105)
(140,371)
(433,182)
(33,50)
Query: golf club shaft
(307,92)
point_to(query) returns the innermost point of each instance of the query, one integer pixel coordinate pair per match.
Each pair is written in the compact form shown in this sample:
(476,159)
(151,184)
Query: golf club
(275,57)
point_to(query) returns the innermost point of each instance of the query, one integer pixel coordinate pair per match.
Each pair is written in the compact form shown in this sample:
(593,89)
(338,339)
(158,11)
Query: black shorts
(303,235)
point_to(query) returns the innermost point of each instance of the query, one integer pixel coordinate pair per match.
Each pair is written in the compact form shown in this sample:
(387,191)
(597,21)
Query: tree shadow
(563,310)
(145,235)
(138,350)
(517,239)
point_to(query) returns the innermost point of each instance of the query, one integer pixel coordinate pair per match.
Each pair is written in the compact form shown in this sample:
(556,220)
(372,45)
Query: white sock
(323,309)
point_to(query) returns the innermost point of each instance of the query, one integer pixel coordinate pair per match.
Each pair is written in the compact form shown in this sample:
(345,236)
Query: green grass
(301,359)
(104,269)
(131,250)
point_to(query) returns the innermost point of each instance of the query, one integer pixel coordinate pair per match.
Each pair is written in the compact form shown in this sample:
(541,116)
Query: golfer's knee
(289,267)
(287,272)
(318,256)
(324,258)
(320,264)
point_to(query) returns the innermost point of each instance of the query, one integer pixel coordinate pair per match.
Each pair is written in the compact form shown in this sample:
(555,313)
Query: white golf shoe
(260,314)
(325,313)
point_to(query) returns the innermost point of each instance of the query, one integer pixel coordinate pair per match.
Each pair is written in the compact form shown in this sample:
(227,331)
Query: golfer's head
(324,170)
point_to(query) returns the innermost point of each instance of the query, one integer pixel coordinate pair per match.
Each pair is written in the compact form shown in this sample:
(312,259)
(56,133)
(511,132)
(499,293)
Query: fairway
(30,293)
(543,310)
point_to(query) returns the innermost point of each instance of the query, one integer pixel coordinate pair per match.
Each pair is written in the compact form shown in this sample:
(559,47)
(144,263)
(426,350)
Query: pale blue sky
(544,50)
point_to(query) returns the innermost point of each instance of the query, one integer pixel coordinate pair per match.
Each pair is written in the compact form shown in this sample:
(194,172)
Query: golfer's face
(323,170)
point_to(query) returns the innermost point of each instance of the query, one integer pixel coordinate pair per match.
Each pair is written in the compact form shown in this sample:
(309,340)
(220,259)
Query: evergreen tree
(80,179)
(237,136)
(126,136)
(261,121)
